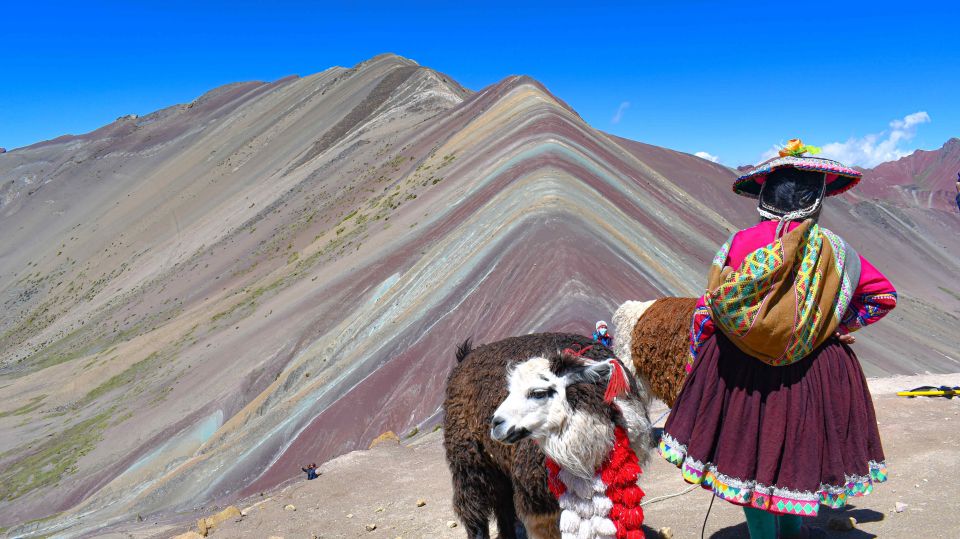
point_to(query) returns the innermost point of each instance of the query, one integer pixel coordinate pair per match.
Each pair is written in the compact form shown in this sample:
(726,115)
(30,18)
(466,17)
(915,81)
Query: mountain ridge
(924,174)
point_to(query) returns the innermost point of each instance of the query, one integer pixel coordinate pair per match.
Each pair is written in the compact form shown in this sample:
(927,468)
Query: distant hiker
(958,190)
(601,335)
(311,470)
(775,414)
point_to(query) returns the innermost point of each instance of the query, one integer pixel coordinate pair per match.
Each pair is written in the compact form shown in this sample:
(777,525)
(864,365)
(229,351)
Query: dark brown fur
(660,344)
(491,478)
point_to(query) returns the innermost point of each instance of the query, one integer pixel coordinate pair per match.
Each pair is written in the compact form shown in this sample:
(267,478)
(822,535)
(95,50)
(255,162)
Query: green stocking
(762,524)
(789,525)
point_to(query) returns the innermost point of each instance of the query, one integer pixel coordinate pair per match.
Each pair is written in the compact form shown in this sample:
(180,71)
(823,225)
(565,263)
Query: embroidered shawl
(786,298)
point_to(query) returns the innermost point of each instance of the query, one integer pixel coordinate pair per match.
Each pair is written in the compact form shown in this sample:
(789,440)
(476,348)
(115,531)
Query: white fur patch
(639,427)
(598,484)
(586,530)
(582,445)
(583,507)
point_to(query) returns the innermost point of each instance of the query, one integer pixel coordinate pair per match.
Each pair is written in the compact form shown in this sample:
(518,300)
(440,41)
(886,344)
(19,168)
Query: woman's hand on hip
(846,339)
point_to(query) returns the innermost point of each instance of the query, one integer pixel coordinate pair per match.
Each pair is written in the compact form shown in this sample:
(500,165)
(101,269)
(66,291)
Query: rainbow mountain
(197,301)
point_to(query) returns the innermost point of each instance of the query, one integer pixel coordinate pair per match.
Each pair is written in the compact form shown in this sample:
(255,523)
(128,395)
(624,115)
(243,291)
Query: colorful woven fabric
(847,264)
(873,307)
(785,298)
(872,299)
(769,497)
(701,329)
(864,297)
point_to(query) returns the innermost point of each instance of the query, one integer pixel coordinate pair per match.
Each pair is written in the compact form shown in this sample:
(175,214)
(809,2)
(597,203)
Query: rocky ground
(402,489)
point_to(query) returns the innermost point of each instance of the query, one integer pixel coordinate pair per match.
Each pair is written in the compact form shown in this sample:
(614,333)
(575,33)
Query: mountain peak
(387,57)
(925,177)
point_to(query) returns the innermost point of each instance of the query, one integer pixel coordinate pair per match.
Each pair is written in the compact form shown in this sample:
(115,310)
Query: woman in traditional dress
(775,414)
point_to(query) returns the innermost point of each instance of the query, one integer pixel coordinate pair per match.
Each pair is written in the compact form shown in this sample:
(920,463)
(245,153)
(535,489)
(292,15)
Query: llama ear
(595,373)
(609,374)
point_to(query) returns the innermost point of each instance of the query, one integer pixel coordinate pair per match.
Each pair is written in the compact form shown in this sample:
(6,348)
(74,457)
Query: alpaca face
(537,405)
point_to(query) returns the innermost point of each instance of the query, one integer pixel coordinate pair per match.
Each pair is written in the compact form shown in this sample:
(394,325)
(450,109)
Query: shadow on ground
(821,521)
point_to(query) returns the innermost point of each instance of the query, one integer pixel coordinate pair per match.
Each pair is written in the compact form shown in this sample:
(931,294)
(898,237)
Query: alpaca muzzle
(508,434)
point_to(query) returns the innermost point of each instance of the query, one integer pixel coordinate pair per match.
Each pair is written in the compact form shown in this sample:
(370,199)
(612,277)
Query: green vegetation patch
(349,216)
(91,340)
(26,408)
(125,379)
(55,458)
(245,307)
(397,161)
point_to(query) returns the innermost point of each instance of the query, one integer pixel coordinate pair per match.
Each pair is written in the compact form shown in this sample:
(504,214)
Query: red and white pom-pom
(618,384)
(606,506)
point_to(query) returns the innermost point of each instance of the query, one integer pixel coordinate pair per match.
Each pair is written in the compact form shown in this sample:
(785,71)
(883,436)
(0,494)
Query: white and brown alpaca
(653,340)
(588,420)
(509,481)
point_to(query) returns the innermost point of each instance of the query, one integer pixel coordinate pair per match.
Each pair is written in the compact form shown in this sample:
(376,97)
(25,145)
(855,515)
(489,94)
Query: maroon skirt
(783,439)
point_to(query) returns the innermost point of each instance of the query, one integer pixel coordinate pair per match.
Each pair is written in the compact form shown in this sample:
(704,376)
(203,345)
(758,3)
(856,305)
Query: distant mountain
(923,178)
(196,301)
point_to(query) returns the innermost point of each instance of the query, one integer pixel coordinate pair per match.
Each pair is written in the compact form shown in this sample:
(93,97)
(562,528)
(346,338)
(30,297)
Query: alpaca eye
(540,394)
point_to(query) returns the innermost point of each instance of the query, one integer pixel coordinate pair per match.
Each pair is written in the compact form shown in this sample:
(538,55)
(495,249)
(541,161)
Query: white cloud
(619,114)
(875,148)
(708,157)
(769,154)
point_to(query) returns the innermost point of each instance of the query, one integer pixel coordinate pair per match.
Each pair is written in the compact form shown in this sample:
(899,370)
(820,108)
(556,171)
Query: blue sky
(727,78)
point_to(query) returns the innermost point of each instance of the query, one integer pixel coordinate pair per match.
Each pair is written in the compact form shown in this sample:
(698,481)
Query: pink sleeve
(701,325)
(872,300)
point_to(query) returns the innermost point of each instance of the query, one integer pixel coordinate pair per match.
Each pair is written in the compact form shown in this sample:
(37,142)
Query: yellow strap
(928,393)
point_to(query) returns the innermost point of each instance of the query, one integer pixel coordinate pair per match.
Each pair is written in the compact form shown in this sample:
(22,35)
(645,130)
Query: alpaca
(590,422)
(510,481)
(653,339)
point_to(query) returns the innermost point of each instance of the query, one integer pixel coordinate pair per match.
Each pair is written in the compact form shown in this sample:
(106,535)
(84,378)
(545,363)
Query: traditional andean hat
(839,177)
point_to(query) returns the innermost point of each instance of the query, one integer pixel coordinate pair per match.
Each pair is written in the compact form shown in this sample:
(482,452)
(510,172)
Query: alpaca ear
(609,373)
(595,373)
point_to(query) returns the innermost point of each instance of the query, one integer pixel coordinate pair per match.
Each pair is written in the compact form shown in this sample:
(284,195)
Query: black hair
(789,189)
